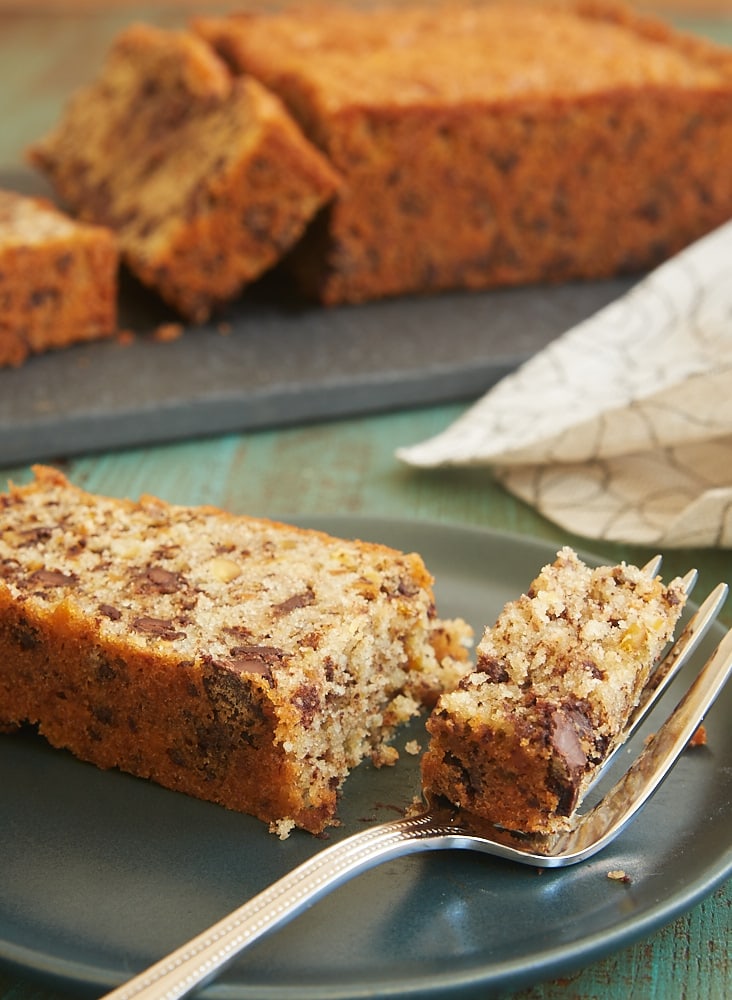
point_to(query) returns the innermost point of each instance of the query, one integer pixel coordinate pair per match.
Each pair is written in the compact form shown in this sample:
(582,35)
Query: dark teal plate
(102,873)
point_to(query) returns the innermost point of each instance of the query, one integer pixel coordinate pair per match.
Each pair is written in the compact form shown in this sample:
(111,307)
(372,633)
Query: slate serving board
(278,361)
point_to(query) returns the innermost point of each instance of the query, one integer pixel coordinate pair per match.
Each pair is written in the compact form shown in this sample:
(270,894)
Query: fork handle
(203,958)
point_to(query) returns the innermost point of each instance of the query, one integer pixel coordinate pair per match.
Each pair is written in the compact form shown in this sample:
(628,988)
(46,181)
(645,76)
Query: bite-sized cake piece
(555,681)
(236,659)
(206,179)
(495,144)
(58,279)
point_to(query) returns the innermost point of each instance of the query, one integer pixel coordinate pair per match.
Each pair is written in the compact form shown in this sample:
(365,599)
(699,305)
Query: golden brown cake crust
(555,680)
(236,659)
(58,279)
(495,144)
(205,179)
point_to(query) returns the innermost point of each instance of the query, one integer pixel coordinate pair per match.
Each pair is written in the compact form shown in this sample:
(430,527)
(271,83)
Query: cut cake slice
(206,179)
(58,279)
(236,659)
(555,681)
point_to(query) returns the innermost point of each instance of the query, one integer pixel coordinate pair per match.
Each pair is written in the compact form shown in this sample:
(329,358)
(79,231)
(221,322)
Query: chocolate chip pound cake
(554,684)
(206,180)
(58,279)
(236,659)
(497,143)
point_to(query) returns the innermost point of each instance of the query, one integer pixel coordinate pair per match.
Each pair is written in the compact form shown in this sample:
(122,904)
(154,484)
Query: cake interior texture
(205,179)
(555,680)
(236,659)
(58,279)
(488,144)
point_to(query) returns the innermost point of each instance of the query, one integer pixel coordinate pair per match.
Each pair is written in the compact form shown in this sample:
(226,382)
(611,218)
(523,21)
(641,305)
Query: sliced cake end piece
(236,659)
(58,279)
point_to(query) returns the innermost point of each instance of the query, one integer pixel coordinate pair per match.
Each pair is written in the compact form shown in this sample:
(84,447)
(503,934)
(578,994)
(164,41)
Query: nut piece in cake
(555,681)
(239,660)
(58,279)
(495,144)
(206,179)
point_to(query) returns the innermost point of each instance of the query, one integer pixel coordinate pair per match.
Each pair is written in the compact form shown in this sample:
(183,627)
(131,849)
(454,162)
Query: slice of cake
(498,143)
(58,279)
(554,684)
(206,180)
(236,659)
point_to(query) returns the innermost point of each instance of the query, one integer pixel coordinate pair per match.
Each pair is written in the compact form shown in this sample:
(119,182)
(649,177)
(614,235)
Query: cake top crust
(198,584)
(457,53)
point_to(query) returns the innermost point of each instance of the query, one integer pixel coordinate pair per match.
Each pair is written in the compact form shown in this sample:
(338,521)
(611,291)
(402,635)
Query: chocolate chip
(252,659)
(593,668)
(110,612)
(493,668)
(569,760)
(258,220)
(105,671)
(25,635)
(52,578)
(407,588)
(505,160)
(160,627)
(63,263)
(40,296)
(307,701)
(32,536)
(176,757)
(302,600)
(103,714)
(163,580)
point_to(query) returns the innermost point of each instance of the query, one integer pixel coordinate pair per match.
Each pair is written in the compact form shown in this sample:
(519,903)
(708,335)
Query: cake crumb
(282,827)
(384,756)
(125,337)
(415,807)
(699,739)
(413,748)
(167,332)
(618,875)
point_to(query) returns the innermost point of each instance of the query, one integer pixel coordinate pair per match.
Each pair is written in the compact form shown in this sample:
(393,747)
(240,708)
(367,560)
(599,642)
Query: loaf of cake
(555,681)
(205,179)
(236,659)
(495,144)
(58,279)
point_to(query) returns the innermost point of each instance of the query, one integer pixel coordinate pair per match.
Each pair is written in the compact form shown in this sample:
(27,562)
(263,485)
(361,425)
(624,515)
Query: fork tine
(621,804)
(680,652)
(653,566)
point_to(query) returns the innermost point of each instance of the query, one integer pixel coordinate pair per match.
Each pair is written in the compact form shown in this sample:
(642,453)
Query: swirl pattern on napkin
(621,428)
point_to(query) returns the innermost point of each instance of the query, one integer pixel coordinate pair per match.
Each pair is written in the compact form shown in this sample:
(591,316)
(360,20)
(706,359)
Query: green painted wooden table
(348,466)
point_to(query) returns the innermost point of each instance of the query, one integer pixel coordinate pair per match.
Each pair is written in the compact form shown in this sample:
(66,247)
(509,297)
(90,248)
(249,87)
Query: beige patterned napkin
(621,429)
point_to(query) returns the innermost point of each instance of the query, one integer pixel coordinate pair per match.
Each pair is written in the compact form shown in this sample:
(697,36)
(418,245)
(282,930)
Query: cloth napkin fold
(621,429)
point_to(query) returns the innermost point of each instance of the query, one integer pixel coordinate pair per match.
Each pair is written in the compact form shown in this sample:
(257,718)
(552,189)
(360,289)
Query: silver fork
(441,826)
